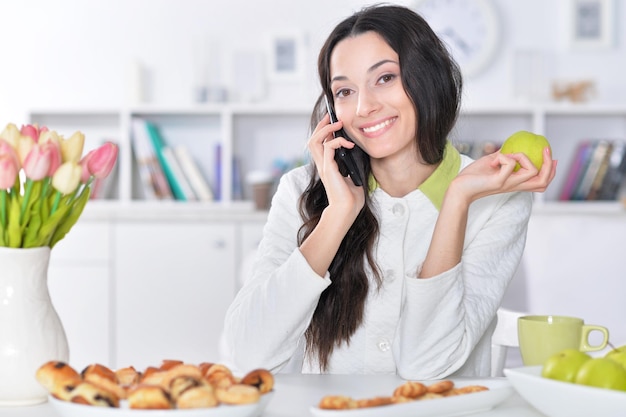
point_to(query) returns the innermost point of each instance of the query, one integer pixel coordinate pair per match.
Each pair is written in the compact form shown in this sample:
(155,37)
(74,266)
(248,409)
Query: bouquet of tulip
(45,183)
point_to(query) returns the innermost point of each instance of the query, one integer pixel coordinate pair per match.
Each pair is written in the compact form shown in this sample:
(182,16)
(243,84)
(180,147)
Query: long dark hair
(433,82)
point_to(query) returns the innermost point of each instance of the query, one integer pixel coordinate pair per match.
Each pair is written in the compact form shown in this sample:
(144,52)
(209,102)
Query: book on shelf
(153,181)
(193,174)
(237,180)
(598,179)
(177,182)
(576,169)
(178,175)
(218,172)
(615,173)
(594,160)
(596,171)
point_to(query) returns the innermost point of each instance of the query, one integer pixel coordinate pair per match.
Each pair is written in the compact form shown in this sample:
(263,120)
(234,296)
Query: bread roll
(127,377)
(58,378)
(103,377)
(149,397)
(238,394)
(181,384)
(89,394)
(262,379)
(198,397)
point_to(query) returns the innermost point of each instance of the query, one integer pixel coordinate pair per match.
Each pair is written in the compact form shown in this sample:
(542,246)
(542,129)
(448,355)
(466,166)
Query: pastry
(127,377)
(147,372)
(168,364)
(103,377)
(469,389)
(90,394)
(374,402)
(150,397)
(204,367)
(260,378)
(238,394)
(219,376)
(181,384)
(410,389)
(58,378)
(337,402)
(198,397)
(440,386)
(430,396)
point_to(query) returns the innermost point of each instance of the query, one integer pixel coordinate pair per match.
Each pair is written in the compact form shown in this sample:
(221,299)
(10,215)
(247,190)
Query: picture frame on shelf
(286,56)
(591,24)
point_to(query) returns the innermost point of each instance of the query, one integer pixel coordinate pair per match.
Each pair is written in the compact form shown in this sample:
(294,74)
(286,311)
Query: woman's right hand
(340,190)
(345,200)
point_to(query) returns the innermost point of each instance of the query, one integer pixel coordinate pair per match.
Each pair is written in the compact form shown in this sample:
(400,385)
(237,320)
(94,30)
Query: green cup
(542,336)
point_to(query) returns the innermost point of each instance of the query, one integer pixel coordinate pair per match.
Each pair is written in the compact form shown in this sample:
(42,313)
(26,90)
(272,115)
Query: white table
(294,395)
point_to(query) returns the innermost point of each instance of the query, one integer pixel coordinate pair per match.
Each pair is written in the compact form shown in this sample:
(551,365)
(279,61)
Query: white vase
(31,332)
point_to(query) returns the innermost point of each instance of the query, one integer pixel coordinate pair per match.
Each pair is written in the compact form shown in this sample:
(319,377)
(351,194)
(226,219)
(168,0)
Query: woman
(404,274)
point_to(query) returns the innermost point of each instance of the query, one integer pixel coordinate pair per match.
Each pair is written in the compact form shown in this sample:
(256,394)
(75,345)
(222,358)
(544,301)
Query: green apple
(617,350)
(602,373)
(618,356)
(528,143)
(564,366)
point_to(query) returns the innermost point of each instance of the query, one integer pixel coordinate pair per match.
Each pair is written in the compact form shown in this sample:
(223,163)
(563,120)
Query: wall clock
(470,28)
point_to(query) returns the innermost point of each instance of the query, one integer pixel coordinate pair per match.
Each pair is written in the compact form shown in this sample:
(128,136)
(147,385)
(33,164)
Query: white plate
(67,409)
(499,390)
(563,399)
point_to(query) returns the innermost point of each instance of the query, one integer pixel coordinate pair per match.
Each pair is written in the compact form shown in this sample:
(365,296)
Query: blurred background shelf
(273,138)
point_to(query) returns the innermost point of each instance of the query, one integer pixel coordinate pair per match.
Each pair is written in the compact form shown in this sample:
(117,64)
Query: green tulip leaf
(31,196)
(14,230)
(49,226)
(77,209)
(32,230)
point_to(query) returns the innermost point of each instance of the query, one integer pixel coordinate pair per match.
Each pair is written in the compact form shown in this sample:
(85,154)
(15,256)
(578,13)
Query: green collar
(436,185)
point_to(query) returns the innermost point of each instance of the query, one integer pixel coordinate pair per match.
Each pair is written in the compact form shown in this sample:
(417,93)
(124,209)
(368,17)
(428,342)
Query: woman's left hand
(493,174)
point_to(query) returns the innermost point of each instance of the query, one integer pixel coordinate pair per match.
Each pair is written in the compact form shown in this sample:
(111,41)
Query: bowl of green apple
(575,384)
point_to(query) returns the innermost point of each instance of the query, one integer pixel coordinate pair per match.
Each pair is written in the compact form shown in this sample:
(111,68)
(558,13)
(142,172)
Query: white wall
(72,53)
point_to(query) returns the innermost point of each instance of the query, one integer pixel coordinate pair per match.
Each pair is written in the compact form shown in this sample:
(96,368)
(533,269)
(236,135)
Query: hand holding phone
(343,157)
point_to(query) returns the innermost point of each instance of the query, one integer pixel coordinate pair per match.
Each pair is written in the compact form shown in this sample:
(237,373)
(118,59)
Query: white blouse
(418,328)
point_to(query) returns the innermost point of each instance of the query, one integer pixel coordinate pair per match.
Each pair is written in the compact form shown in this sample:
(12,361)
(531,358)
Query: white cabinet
(79,280)
(251,234)
(574,265)
(174,282)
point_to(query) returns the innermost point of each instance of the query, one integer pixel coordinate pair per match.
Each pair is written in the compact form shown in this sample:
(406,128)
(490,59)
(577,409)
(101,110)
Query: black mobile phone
(343,156)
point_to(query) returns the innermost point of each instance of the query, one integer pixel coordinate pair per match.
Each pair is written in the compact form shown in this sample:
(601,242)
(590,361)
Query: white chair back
(504,337)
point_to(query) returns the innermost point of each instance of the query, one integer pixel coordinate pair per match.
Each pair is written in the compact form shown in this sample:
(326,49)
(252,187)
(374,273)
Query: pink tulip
(84,165)
(103,160)
(9,165)
(56,159)
(37,163)
(32,131)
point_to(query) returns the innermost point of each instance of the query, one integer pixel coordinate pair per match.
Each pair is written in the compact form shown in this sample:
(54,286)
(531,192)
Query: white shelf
(259,134)
(593,208)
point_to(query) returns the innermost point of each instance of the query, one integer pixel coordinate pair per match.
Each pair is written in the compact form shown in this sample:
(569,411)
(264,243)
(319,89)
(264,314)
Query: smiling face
(370,98)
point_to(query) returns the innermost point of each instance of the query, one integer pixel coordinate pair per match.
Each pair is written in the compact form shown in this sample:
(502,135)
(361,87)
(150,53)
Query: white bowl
(564,399)
(68,409)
